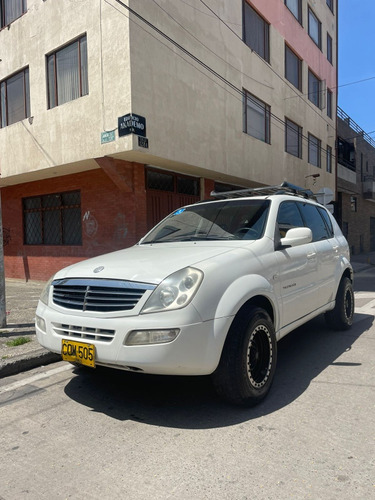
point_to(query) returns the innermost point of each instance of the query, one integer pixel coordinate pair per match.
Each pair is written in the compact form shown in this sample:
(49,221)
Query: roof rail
(283,188)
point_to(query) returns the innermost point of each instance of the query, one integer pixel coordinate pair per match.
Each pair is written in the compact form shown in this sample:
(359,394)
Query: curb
(27,362)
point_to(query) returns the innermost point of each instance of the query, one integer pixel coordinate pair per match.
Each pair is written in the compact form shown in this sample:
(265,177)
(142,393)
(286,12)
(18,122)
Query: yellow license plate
(78,352)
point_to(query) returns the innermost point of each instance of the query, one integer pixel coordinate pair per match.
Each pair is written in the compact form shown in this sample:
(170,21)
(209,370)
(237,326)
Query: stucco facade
(185,71)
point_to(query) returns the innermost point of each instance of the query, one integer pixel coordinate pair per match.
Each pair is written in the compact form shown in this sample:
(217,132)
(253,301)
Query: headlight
(45,293)
(174,292)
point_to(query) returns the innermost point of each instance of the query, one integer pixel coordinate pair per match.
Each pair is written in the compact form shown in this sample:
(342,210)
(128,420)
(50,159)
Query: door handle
(311,255)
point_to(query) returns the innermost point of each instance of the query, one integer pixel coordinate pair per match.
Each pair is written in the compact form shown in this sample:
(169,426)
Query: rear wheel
(341,316)
(248,362)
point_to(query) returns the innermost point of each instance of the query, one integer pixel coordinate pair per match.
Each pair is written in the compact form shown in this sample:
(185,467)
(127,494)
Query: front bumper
(195,351)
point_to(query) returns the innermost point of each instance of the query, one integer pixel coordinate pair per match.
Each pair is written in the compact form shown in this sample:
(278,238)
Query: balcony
(368,188)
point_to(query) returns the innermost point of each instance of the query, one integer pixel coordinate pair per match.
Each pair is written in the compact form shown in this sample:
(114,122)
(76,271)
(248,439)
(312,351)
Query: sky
(357,61)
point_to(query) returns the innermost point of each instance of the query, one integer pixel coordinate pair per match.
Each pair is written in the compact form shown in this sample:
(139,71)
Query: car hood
(146,263)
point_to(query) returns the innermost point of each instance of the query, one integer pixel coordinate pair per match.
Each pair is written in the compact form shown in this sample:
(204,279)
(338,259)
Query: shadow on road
(191,403)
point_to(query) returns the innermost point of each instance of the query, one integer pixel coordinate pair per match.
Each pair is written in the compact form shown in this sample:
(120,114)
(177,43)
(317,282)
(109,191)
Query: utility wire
(241,92)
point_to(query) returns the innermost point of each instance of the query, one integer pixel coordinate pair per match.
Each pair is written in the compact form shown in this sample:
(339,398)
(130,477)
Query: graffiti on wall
(90,224)
(7,238)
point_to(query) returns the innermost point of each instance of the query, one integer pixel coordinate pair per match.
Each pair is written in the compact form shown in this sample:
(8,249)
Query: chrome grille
(98,294)
(83,332)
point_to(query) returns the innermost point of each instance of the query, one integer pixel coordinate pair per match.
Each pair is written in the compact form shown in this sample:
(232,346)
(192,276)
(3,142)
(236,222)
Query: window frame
(82,70)
(266,112)
(329,102)
(41,210)
(329,159)
(4,100)
(311,16)
(289,125)
(265,54)
(311,93)
(329,48)
(318,145)
(290,53)
(330,5)
(299,8)
(4,23)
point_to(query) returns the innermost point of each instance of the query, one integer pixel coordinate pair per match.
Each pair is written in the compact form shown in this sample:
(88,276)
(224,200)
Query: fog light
(144,337)
(41,324)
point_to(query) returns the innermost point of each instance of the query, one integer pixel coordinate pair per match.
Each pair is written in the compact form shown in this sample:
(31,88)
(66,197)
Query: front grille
(82,332)
(98,295)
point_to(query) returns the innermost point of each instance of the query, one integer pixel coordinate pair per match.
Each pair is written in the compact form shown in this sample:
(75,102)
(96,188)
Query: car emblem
(98,269)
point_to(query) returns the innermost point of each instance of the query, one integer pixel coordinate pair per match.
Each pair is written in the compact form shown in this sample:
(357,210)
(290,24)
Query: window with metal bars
(11,10)
(53,219)
(67,77)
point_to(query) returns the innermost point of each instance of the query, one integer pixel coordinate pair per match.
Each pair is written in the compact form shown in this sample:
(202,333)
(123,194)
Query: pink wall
(277,14)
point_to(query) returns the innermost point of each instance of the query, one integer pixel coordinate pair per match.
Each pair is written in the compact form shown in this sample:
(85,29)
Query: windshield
(224,220)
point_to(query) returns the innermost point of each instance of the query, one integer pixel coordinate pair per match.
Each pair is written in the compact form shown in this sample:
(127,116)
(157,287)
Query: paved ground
(21,302)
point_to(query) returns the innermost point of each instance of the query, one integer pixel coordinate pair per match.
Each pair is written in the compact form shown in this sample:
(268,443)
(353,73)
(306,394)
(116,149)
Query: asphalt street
(73,433)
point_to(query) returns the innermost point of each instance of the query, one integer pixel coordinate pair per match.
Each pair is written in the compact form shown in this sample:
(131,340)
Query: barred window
(53,219)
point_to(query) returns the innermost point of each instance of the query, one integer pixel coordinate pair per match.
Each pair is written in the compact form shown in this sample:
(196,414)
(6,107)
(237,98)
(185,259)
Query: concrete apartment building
(355,208)
(115,113)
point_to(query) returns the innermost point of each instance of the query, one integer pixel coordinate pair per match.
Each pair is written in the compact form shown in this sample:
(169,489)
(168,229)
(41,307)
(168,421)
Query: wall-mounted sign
(132,124)
(143,142)
(107,136)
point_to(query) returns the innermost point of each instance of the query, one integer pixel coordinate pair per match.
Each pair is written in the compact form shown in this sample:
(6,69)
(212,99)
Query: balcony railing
(354,126)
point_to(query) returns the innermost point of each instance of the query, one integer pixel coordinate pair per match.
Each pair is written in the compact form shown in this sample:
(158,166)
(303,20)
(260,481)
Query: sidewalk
(21,302)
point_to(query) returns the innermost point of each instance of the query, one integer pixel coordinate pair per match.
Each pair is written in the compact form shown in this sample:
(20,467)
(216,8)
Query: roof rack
(283,188)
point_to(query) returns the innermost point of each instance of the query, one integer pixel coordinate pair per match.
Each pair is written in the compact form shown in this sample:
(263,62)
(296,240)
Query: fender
(242,290)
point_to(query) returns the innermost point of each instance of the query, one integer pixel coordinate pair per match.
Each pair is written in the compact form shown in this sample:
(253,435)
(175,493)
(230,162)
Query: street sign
(107,137)
(132,124)
(143,142)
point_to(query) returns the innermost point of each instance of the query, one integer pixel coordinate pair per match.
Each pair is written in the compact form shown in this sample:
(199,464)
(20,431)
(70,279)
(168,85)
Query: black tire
(341,316)
(248,361)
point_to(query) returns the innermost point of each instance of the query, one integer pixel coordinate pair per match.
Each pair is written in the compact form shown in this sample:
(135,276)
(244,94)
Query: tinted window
(314,221)
(288,217)
(327,220)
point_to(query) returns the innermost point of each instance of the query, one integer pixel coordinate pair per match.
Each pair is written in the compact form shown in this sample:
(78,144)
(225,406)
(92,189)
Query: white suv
(209,290)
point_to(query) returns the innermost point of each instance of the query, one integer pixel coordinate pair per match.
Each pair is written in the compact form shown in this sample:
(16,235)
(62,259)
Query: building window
(353,204)
(257,116)
(329,48)
(314,150)
(256,32)
(293,138)
(346,154)
(295,7)
(329,159)
(315,87)
(315,28)
(67,73)
(11,10)
(15,98)
(293,68)
(329,103)
(53,219)
(330,4)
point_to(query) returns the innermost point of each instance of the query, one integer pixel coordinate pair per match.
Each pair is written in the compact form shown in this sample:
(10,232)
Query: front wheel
(341,316)
(248,362)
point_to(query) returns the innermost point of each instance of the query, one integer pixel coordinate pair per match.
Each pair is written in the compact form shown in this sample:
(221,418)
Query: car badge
(98,269)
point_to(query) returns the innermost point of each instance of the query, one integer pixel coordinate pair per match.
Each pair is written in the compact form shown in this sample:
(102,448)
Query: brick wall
(113,217)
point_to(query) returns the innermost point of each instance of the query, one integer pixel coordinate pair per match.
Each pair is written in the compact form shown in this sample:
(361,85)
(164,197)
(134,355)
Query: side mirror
(297,236)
